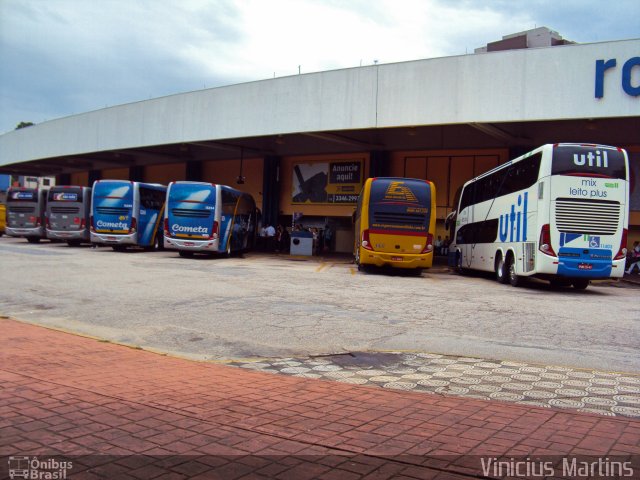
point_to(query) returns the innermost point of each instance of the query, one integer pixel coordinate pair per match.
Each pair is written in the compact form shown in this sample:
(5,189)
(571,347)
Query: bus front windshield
(399,204)
(587,161)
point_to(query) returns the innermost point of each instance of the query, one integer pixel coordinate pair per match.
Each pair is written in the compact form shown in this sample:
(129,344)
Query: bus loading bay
(320,318)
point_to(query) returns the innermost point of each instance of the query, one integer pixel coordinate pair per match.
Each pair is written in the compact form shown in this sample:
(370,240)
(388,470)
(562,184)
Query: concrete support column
(379,164)
(136,173)
(63,179)
(271,190)
(94,175)
(193,171)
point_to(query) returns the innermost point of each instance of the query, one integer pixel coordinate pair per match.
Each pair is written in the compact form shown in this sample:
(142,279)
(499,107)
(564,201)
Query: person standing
(635,258)
(270,233)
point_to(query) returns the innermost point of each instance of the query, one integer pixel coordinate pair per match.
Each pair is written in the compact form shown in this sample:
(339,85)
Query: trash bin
(301,243)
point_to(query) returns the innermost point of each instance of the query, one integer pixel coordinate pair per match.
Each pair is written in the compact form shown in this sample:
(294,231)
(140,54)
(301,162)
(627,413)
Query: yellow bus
(394,223)
(3,218)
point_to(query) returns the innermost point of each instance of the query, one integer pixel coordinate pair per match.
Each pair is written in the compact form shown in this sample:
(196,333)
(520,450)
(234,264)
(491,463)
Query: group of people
(277,239)
(273,239)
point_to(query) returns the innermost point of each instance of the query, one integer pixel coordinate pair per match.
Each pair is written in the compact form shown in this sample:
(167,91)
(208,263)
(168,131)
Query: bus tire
(33,239)
(118,248)
(514,279)
(185,254)
(73,243)
(459,268)
(580,283)
(501,269)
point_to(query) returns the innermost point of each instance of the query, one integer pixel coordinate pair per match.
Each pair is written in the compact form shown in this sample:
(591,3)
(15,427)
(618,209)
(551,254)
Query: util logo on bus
(589,159)
(399,191)
(513,225)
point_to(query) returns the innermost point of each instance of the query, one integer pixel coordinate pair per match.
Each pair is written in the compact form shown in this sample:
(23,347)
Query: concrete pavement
(119,412)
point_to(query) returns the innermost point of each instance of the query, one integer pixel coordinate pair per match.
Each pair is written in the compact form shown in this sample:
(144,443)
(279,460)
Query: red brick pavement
(127,413)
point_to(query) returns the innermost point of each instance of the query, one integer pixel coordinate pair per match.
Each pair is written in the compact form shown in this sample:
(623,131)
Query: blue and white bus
(68,213)
(125,213)
(26,208)
(209,218)
(560,213)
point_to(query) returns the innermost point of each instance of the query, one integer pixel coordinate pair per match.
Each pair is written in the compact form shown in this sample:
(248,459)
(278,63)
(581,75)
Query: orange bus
(395,223)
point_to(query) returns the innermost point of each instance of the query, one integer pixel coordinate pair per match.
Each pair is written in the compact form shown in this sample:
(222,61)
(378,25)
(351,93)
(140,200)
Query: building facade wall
(519,85)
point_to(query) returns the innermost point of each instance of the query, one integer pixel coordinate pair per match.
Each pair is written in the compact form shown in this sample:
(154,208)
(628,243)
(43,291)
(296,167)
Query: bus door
(149,214)
(465,217)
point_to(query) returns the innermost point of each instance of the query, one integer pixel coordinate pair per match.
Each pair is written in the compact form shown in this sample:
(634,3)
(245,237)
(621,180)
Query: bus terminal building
(303,145)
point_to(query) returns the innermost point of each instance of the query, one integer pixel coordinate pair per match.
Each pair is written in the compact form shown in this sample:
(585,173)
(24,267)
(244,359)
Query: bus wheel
(514,279)
(73,243)
(460,269)
(501,270)
(118,248)
(580,283)
(33,239)
(185,254)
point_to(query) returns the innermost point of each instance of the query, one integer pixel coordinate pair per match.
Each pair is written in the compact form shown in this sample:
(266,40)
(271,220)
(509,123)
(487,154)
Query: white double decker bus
(559,213)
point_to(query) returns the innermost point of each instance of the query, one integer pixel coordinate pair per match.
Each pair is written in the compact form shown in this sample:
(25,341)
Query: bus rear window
(22,196)
(399,203)
(191,193)
(585,161)
(113,190)
(66,195)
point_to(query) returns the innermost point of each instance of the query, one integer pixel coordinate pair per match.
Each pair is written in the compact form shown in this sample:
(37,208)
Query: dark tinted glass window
(515,177)
(229,200)
(22,196)
(479,232)
(65,195)
(588,161)
(152,199)
(399,202)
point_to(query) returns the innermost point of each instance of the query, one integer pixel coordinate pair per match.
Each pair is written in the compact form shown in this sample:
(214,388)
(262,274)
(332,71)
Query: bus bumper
(25,232)
(68,235)
(379,259)
(114,238)
(191,245)
(582,265)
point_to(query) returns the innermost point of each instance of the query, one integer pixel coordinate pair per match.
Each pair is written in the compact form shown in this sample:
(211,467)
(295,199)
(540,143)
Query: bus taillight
(83,224)
(134,225)
(622,252)
(166,227)
(366,243)
(214,230)
(91,227)
(545,241)
(428,247)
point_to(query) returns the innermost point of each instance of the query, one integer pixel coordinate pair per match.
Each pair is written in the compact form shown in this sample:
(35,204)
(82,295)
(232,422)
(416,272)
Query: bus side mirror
(450,220)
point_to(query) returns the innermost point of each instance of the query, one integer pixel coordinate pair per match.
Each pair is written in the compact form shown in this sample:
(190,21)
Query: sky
(63,57)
